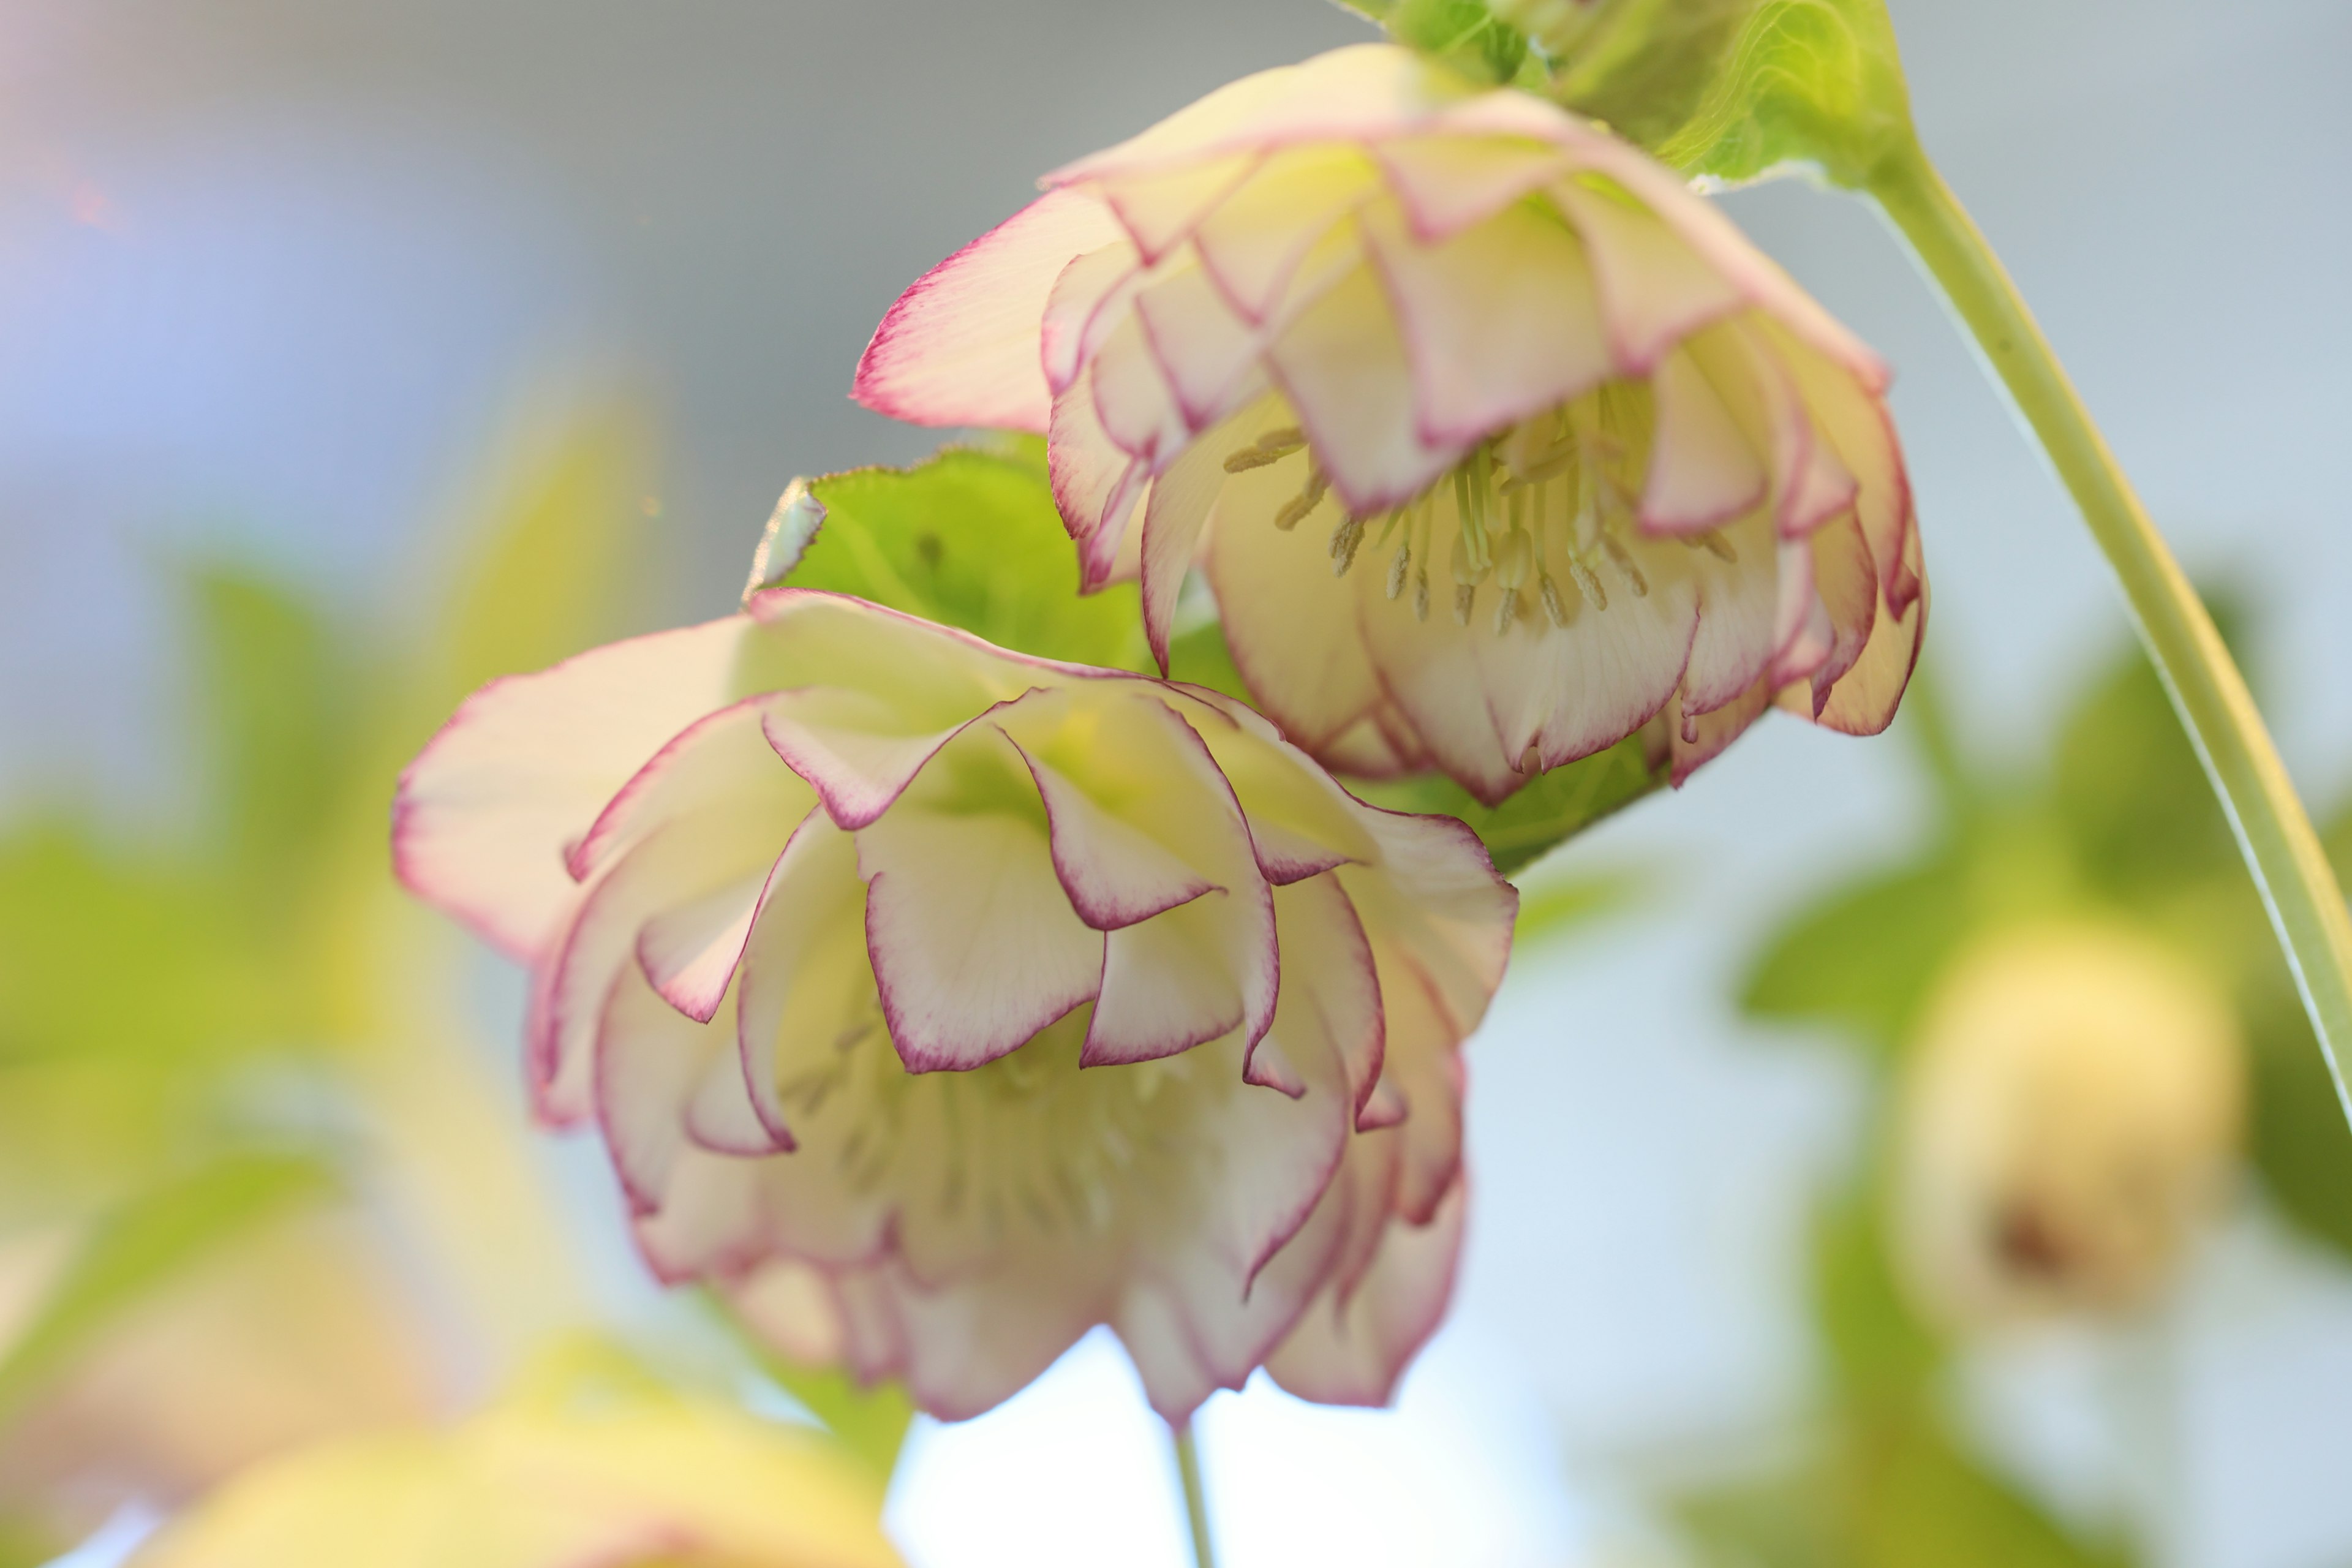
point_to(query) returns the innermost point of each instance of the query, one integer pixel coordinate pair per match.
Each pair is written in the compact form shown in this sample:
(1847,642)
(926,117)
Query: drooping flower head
(964,1000)
(1496,441)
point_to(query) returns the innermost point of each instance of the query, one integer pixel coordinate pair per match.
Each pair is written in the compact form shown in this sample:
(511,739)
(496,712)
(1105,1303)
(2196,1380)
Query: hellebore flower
(977,999)
(2068,1122)
(1578,456)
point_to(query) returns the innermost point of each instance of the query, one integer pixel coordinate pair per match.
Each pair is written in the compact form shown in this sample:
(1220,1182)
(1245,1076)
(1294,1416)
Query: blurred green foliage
(178,1018)
(2119,823)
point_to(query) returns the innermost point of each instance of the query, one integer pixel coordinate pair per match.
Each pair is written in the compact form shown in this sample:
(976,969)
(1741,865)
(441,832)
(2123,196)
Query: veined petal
(807,988)
(1352,1353)
(1498,320)
(1206,352)
(1863,702)
(1739,616)
(1088,299)
(974,944)
(486,814)
(1342,362)
(1254,241)
(1178,509)
(1289,626)
(1703,471)
(721,759)
(1114,871)
(1159,207)
(1095,485)
(1168,985)
(1447,182)
(959,347)
(1655,290)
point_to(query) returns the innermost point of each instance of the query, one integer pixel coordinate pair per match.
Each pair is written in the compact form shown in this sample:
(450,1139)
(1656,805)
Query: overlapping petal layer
(941,1003)
(1599,455)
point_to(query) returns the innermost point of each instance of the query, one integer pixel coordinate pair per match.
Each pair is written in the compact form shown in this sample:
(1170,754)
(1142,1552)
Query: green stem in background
(2307,907)
(1196,1498)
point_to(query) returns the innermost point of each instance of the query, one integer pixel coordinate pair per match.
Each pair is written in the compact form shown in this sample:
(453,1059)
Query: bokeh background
(295,284)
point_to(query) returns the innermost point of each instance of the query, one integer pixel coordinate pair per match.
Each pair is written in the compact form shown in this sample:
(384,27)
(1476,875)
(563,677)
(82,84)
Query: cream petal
(1329,981)
(1160,207)
(1354,1352)
(649,1063)
(1252,245)
(720,759)
(1447,182)
(1738,621)
(1856,424)
(959,347)
(1654,288)
(1351,94)
(1178,509)
(1698,738)
(690,951)
(1864,700)
(1703,471)
(484,817)
(1205,351)
(1498,320)
(1115,872)
(807,988)
(1088,301)
(971,1347)
(1845,596)
(686,860)
(1342,362)
(1291,627)
(1133,402)
(1588,686)
(1168,985)
(848,745)
(1095,485)
(974,944)
(1433,672)
(1301,823)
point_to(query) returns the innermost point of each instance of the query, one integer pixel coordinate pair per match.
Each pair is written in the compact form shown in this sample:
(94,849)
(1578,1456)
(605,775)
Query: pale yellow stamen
(1345,540)
(1295,513)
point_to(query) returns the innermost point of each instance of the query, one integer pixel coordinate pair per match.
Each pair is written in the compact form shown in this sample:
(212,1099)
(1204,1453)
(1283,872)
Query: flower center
(1029,1140)
(1556,496)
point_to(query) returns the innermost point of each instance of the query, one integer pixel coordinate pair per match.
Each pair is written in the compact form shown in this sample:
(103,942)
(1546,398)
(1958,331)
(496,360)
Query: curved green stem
(1196,1498)
(2297,886)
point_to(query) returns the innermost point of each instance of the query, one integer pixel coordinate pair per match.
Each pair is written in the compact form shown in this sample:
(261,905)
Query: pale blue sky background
(272,273)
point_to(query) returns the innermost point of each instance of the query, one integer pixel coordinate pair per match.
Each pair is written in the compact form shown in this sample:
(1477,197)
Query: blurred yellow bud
(2067,1124)
(607,1468)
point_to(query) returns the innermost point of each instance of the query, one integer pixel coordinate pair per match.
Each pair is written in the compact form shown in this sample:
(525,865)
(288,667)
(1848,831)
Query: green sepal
(969,538)
(1464,34)
(1734,89)
(1548,812)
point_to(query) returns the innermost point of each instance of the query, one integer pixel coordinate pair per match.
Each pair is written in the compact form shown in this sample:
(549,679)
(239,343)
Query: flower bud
(2067,1123)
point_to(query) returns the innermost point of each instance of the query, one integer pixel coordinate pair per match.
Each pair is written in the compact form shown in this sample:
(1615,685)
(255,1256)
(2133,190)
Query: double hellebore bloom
(1496,441)
(972,999)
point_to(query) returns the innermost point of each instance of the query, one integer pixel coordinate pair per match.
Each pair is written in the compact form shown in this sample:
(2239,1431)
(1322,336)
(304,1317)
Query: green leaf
(970,537)
(560,533)
(1555,904)
(870,1422)
(277,697)
(1464,34)
(1732,89)
(2129,787)
(2296,1133)
(1548,812)
(1863,957)
(143,1245)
